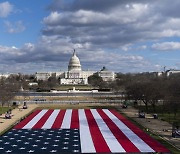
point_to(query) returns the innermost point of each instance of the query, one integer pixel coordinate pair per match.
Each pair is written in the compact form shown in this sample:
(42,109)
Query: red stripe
(98,140)
(59,119)
(75,120)
(122,139)
(156,146)
(43,119)
(25,121)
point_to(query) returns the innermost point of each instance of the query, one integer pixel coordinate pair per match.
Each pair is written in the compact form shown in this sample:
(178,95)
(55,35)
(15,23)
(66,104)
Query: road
(71,94)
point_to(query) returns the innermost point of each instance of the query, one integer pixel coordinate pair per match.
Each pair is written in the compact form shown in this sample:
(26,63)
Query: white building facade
(75,75)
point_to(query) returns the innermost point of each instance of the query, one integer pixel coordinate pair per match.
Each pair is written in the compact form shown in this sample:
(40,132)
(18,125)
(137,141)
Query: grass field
(4,109)
(70,87)
(164,114)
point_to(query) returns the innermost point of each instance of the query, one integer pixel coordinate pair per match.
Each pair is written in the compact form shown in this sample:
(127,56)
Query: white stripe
(87,145)
(110,139)
(67,119)
(136,140)
(48,124)
(33,121)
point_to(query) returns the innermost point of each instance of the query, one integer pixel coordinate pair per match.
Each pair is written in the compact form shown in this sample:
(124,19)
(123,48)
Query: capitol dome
(74,63)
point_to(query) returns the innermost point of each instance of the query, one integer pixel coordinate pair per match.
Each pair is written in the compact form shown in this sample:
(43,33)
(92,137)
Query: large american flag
(77,131)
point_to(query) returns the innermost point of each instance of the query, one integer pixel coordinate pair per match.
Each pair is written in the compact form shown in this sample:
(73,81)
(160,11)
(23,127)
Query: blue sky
(125,36)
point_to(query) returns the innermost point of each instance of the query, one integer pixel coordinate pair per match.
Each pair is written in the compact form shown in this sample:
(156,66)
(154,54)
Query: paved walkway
(17,114)
(157,126)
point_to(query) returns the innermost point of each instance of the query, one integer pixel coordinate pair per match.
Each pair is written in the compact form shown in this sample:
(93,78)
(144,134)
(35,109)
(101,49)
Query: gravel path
(17,114)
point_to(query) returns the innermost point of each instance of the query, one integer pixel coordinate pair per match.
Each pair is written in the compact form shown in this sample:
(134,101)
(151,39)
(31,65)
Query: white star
(43,148)
(53,151)
(75,140)
(33,134)
(14,145)
(11,138)
(22,136)
(56,140)
(1,148)
(19,140)
(19,130)
(66,138)
(30,138)
(65,148)
(48,138)
(75,150)
(9,151)
(46,142)
(75,145)
(22,148)
(0,140)
(67,134)
(49,134)
(55,145)
(26,133)
(5,136)
(51,131)
(34,145)
(37,140)
(42,132)
(58,136)
(26,143)
(6,143)
(31,151)
(40,136)
(35,131)
(75,136)
(16,134)
(66,142)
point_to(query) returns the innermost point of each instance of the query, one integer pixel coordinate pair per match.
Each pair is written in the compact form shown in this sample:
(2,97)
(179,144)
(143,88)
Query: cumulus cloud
(103,32)
(166,46)
(16,27)
(5,9)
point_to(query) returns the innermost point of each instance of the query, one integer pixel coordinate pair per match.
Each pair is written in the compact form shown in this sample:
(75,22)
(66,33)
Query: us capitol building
(75,75)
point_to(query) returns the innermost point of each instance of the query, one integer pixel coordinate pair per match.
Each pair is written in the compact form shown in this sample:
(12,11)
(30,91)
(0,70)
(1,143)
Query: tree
(8,89)
(95,80)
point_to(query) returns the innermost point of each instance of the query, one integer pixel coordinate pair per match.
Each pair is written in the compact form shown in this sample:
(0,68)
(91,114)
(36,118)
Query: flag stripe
(67,119)
(74,120)
(31,123)
(122,139)
(146,138)
(48,124)
(107,134)
(58,121)
(43,119)
(25,121)
(87,145)
(139,143)
(96,134)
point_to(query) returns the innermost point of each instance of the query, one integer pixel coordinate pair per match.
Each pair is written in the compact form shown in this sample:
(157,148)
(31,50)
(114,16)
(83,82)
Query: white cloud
(5,9)
(166,46)
(16,27)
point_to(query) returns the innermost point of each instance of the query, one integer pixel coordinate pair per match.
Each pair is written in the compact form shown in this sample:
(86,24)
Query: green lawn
(4,109)
(163,113)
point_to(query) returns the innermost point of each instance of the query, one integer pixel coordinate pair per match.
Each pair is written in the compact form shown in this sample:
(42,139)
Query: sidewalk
(17,114)
(157,126)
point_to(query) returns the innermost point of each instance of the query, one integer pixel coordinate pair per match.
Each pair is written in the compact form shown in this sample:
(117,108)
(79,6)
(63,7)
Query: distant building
(75,75)
(172,71)
(106,74)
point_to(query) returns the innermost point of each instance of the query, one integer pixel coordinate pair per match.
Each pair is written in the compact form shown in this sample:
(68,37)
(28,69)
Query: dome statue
(74,63)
